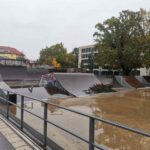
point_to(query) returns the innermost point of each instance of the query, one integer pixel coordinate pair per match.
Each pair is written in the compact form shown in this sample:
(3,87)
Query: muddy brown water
(128,107)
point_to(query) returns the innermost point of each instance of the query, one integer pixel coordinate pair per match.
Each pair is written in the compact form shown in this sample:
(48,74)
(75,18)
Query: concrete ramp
(147,78)
(142,80)
(133,82)
(76,83)
(109,80)
(105,79)
(38,92)
(3,85)
(13,72)
(19,73)
(121,81)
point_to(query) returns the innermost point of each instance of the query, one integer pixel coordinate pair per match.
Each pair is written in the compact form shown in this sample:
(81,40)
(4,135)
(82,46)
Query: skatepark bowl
(118,121)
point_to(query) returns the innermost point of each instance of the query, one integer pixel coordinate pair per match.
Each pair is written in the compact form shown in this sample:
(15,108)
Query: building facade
(144,71)
(86,55)
(11,56)
(10,53)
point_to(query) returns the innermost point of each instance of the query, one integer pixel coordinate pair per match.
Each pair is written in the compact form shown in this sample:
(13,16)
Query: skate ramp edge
(122,82)
(142,80)
(3,85)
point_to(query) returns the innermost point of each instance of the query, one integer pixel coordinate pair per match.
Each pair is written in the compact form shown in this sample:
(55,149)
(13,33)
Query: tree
(146,26)
(70,60)
(146,60)
(91,62)
(122,41)
(55,63)
(57,56)
(75,53)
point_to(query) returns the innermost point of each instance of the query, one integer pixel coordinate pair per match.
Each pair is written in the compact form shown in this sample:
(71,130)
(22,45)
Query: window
(85,61)
(83,50)
(83,55)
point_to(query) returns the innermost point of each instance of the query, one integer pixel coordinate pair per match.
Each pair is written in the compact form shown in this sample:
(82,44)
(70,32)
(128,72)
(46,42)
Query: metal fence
(91,141)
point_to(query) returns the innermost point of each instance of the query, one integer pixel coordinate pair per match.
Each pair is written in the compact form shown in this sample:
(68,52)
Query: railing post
(22,112)
(7,106)
(91,133)
(45,126)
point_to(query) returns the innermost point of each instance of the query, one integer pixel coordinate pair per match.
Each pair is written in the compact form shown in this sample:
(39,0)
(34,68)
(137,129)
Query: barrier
(91,142)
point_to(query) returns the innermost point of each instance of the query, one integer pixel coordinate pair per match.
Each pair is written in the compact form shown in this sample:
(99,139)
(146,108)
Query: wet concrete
(128,107)
(38,92)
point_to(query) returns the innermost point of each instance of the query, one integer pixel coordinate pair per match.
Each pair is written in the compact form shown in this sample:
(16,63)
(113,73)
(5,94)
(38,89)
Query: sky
(31,25)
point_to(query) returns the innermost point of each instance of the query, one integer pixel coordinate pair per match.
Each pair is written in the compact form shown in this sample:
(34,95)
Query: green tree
(146,60)
(75,53)
(58,52)
(91,62)
(70,60)
(122,41)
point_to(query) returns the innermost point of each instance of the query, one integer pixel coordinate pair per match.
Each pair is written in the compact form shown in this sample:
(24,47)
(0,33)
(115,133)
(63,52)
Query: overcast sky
(30,25)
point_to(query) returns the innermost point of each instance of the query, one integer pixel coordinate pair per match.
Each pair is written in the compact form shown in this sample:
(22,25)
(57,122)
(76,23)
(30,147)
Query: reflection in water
(131,108)
(13,109)
(28,105)
(51,108)
(115,138)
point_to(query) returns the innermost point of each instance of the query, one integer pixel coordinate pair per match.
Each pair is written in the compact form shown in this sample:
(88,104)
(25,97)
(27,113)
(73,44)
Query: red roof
(10,50)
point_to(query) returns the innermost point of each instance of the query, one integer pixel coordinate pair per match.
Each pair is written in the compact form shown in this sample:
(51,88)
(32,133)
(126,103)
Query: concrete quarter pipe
(76,83)
(3,85)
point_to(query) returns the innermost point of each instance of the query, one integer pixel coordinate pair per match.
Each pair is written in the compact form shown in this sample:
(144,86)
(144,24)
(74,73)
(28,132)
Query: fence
(91,142)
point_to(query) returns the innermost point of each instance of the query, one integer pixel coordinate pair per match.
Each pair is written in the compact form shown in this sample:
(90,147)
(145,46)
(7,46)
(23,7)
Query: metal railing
(92,119)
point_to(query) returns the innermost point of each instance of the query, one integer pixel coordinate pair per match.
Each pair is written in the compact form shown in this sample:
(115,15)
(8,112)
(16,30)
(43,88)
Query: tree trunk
(126,72)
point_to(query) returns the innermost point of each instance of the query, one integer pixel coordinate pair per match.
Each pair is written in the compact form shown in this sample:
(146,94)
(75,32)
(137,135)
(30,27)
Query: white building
(144,72)
(84,54)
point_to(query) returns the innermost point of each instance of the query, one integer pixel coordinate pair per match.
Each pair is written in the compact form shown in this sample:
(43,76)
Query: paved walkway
(4,144)
(8,135)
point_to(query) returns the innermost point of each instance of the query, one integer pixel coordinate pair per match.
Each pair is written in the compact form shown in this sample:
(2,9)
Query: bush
(100,88)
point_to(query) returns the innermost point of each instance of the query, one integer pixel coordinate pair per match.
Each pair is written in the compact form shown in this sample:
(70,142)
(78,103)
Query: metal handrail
(92,120)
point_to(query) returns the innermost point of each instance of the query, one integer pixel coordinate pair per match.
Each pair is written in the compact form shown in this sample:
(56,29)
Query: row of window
(88,55)
(87,66)
(85,61)
(12,62)
(85,55)
(86,50)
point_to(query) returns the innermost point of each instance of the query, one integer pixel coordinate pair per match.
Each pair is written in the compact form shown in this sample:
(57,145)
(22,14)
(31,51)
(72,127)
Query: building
(85,56)
(144,71)
(11,56)
(10,53)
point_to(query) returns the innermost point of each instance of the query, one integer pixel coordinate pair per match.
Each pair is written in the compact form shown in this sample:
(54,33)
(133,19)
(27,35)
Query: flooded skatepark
(128,107)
